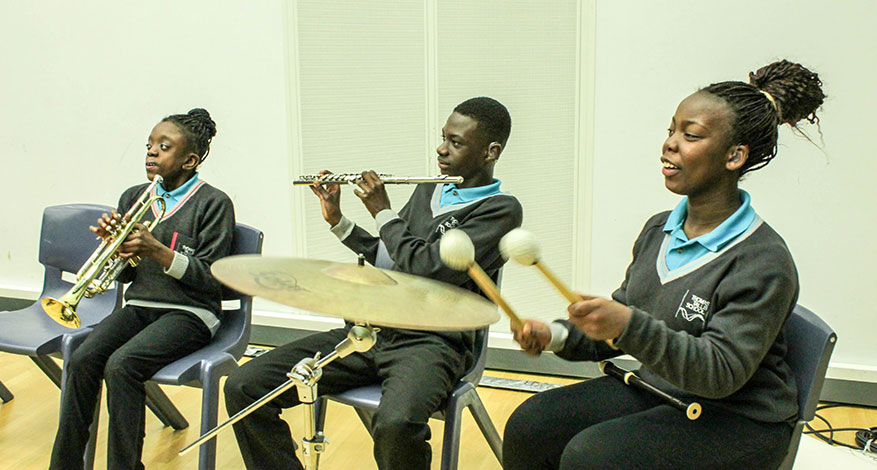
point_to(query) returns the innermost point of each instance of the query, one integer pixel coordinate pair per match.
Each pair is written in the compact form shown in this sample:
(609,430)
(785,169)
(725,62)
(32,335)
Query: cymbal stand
(304,377)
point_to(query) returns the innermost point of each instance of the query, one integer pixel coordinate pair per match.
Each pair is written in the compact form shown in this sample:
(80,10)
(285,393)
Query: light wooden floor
(28,424)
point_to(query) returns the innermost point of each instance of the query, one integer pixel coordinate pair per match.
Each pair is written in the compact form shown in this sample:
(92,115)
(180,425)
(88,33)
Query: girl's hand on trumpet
(142,243)
(599,318)
(533,336)
(106,224)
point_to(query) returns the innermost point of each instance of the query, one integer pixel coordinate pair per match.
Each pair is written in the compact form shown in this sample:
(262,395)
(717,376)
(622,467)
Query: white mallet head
(521,246)
(456,250)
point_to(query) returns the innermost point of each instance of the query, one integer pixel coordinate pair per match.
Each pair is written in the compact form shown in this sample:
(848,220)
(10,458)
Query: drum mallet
(458,252)
(521,246)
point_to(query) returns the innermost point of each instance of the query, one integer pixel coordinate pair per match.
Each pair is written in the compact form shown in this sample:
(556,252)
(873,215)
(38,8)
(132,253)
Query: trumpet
(103,266)
(356,178)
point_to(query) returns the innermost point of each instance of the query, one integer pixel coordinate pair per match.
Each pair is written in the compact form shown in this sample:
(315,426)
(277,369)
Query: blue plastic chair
(65,245)
(365,400)
(202,368)
(810,343)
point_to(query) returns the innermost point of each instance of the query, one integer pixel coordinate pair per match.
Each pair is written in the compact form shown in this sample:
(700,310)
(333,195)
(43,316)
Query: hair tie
(773,102)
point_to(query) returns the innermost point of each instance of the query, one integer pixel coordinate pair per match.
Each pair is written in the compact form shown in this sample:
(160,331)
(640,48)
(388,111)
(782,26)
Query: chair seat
(365,401)
(31,332)
(204,367)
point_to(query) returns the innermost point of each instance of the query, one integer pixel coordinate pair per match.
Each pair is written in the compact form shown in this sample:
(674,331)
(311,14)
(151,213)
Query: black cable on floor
(863,436)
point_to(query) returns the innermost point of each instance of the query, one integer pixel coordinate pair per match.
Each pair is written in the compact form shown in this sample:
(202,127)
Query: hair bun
(797,90)
(204,122)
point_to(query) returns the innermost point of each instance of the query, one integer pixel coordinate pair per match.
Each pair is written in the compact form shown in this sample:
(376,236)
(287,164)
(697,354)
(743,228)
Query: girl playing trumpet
(172,303)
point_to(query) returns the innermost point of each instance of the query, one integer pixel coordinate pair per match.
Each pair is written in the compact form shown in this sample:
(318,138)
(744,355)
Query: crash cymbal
(357,293)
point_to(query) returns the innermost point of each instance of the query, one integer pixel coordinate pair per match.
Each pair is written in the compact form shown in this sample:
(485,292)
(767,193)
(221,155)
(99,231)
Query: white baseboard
(16,293)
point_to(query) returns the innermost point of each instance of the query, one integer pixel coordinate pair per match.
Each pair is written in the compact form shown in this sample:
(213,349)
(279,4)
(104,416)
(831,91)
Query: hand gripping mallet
(521,246)
(458,252)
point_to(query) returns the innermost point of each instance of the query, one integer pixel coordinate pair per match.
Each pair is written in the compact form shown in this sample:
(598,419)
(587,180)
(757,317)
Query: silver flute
(356,178)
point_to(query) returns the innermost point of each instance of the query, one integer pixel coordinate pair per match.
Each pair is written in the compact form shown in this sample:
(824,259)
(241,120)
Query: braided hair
(198,128)
(780,93)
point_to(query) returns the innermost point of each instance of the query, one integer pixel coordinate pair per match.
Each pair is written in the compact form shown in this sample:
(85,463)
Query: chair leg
(5,394)
(451,438)
(789,461)
(209,417)
(163,408)
(49,367)
(486,425)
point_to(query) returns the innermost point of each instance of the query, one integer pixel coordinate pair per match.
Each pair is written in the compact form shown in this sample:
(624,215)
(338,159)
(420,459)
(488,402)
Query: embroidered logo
(447,225)
(187,250)
(693,308)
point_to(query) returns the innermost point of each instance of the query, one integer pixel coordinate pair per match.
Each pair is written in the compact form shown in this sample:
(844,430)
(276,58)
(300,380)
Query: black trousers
(125,350)
(604,424)
(416,371)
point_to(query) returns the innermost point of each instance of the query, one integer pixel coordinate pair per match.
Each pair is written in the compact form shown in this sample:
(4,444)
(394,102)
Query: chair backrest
(65,245)
(473,375)
(65,241)
(235,327)
(810,342)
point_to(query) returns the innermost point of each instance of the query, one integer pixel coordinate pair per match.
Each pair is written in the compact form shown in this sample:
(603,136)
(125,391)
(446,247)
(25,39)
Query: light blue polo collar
(713,241)
(451,194)
(172,198)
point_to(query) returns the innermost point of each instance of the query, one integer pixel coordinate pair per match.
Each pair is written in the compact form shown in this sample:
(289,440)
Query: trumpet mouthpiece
(521,246)
(456,250)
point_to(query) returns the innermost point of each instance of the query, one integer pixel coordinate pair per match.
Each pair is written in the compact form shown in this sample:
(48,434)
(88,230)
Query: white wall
(83,83)
(300,86)
(650,55)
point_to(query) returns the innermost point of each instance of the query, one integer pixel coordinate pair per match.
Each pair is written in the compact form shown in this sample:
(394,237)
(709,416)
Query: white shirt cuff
(178,266)
(559,333)
(343,228)
(383,217)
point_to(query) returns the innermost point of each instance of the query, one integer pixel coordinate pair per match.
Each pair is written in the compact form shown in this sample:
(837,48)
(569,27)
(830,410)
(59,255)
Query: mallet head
(521,246)
(456,250)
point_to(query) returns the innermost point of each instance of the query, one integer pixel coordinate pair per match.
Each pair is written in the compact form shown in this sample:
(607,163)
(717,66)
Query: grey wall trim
(848,391)
(7,303)
(275,336)
(834,390)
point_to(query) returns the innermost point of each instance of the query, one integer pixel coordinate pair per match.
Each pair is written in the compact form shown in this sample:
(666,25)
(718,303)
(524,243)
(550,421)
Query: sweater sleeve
(753,298)
(579,347)
(485,226)
(214,242)
(360,241)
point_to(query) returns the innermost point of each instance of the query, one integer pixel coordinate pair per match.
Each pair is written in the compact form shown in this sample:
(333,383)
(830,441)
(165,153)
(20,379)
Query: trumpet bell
(61,312)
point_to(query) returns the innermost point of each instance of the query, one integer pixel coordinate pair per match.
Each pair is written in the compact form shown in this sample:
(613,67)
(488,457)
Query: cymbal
(357,293)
